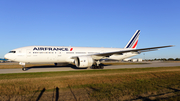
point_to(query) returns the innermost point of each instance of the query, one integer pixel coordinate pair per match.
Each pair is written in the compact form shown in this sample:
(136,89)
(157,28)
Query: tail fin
(133,41)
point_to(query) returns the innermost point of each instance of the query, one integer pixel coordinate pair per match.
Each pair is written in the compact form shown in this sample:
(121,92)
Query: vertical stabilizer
(133,41)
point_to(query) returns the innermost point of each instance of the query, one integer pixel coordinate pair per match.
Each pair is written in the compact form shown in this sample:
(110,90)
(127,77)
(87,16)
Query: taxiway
(52,69)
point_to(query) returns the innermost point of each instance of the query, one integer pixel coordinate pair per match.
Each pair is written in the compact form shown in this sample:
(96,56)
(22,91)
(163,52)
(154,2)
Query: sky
(91,23)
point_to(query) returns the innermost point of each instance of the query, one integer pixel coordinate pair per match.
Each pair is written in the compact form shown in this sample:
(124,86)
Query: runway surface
(52,69)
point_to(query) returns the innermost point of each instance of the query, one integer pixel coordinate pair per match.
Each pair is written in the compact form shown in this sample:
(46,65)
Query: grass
(171,61)
(16,65)
(134,87)
(115,84)
(84,72)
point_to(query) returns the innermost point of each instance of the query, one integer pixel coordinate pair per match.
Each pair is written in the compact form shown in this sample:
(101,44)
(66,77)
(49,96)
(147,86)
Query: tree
(177,59)
(164,59)
(170,59)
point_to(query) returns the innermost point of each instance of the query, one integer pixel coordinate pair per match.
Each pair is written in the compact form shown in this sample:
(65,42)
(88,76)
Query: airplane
(2,60)
(82,57)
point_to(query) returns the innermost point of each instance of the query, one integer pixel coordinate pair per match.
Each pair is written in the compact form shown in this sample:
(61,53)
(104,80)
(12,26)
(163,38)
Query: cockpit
(12,52)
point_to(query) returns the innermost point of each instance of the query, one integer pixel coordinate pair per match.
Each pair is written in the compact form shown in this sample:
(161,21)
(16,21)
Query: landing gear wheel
(93,67)
(55,64)
(24,68)
(101,67)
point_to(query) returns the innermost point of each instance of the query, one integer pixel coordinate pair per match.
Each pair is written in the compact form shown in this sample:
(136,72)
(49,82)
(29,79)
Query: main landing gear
(97,65)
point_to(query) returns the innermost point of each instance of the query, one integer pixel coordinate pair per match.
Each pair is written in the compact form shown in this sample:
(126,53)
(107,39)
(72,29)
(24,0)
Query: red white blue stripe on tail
(133,41)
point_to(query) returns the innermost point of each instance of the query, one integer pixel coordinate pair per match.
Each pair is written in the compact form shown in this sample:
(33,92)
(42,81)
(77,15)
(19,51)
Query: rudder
(133,41)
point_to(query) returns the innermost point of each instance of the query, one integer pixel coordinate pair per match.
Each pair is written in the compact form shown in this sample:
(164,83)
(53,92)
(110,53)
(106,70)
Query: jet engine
(84,61)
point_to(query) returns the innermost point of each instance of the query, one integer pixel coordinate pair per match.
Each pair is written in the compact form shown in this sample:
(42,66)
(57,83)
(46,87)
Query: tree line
(163,59)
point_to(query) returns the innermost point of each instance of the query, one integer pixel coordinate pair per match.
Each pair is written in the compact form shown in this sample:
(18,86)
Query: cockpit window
(12,52)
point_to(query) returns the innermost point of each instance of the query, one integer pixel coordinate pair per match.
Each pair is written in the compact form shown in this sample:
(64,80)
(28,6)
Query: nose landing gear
(23,66)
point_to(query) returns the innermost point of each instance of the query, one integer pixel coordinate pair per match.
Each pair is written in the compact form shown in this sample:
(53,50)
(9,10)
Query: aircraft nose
(9,56)
(6,56)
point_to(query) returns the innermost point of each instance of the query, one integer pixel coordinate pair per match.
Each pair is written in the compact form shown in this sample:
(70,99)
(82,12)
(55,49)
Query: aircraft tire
(93,67)
(55,64)
(24,68)
(101,67)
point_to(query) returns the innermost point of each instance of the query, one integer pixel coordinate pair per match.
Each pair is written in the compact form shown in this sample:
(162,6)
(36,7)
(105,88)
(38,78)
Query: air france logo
(51,49)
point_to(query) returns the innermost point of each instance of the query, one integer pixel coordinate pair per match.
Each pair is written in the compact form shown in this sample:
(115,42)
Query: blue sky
(91,23)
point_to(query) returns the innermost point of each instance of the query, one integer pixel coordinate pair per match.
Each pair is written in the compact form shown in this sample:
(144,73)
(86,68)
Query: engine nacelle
(84,61)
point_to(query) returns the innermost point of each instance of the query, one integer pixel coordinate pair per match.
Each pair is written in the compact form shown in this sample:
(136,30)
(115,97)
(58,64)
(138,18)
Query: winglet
(133,41)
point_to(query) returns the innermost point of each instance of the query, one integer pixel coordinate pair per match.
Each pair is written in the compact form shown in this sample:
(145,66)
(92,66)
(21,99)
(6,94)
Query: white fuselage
(60,54)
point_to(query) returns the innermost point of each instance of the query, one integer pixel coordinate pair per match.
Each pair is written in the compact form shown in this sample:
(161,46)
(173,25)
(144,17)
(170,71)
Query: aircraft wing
(131,50)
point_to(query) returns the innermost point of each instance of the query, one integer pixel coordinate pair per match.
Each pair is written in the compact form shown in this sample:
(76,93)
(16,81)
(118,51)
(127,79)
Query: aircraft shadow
(51,66)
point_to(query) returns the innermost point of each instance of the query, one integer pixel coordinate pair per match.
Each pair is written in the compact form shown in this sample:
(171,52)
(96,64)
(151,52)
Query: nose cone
(9,56)
(6,56)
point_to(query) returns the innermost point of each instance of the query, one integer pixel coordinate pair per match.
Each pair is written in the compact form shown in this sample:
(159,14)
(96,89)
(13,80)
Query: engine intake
(84,61)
